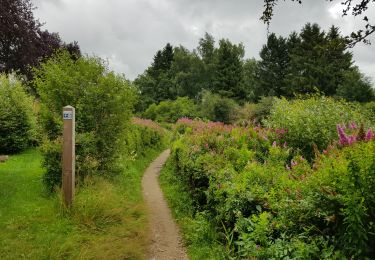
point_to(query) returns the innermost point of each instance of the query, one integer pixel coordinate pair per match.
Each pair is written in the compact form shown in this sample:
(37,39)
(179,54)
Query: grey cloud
(129,32)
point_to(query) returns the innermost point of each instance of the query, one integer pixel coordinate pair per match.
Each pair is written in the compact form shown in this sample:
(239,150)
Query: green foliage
(370,110)
(217,108)
(310,61)
(17,117)
(268,206)
(171,111)
(108,219)
(103,103)
(228,70)
(272,67)
(356,87)
(156,83)
(249,83)
(319,61)
(312,121)
(200,236)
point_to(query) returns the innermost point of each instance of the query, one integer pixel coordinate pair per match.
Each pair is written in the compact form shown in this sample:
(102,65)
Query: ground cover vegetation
(108,219)
(259,196)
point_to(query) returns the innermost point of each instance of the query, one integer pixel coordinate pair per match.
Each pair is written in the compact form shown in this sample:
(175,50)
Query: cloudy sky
(128,32)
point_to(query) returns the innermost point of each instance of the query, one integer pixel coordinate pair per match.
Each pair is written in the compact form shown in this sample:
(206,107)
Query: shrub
(103,103)
(217,108)
(170,111)
(272,206)
(251,113)
(17,118)
(370,110)
(142,134)
(312,121)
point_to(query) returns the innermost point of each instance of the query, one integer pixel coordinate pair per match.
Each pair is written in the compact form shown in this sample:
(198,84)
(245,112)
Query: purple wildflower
(352,126)
(343,138)
(369,135)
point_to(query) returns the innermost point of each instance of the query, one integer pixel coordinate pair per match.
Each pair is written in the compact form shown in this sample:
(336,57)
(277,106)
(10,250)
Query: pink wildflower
(274,144)
(293,163)
(352,125)
(369,135)
(343,138)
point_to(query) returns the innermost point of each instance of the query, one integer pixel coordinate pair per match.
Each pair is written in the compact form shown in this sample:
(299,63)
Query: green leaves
(103,101)
(17,117)
(312,121)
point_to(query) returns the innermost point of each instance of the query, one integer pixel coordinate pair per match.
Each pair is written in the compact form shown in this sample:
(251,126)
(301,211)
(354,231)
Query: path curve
(166,243)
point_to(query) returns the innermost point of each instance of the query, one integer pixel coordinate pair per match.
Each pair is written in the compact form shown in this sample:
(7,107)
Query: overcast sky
(129,32)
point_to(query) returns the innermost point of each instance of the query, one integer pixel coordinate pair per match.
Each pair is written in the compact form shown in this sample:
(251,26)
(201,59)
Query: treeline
(310,61)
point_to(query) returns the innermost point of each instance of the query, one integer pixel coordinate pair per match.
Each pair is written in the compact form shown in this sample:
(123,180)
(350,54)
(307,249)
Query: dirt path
(166,243)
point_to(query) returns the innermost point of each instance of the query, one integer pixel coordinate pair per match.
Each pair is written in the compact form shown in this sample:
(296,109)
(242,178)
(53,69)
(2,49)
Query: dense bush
(17,118)
(170,111)
(217,108)
(272,206)
(251,113)
(370,110)
(103,103)
(143,134)
(312,121)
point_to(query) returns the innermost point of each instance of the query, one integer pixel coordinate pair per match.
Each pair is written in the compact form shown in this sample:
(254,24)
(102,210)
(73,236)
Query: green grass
(199,235)
(108,219)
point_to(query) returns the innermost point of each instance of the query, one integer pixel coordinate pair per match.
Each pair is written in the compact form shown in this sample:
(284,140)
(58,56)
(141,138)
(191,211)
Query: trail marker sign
(68,156)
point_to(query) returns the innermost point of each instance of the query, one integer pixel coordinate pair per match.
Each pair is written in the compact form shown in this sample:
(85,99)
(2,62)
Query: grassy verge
(199,235)
(107,221)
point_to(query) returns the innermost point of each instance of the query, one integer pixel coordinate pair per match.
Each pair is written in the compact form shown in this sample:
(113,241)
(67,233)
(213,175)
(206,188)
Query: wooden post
(68,155)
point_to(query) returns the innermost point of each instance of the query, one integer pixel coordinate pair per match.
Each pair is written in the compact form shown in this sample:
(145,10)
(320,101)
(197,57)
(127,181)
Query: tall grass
(107,221)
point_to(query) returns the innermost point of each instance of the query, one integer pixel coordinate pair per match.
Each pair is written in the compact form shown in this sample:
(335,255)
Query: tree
(250,83)
(23,44)
(358,9)
(356,87)
(188,72)
(156,84)
(228,70)
(273,66)
(206,48)
(317,62)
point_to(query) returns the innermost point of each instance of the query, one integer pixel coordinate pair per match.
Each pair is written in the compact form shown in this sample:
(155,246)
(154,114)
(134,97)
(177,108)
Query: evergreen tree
(273,66)
(228,70)
(356,87)
(318,62)
(156,84)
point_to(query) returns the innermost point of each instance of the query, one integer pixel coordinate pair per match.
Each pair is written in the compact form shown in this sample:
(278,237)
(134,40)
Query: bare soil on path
(166,242)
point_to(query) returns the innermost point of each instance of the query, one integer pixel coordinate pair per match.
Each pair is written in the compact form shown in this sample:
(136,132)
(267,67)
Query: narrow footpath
(166,243)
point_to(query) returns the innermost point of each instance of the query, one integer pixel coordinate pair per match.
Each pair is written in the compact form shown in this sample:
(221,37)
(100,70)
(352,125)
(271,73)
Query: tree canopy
(312,60)
(349,8)
(23,42)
